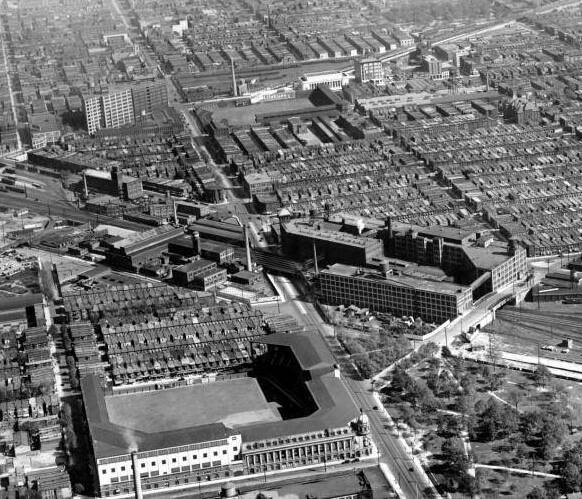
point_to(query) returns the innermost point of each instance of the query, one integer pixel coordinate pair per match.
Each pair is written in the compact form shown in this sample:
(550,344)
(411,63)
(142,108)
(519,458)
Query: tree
(468,385)
(497,421)
(571,468)
(408,415)
(423,398)
(571,476)
(552,435)
(428,350)
(542,375)
(464,404)
(536,493)
(531,423)
(494,379)
(514,398)
(401,380)
(469,484)
(449,426)
(453,451)
(365,367)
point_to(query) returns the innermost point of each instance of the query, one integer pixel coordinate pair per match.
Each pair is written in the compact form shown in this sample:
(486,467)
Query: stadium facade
(325,427)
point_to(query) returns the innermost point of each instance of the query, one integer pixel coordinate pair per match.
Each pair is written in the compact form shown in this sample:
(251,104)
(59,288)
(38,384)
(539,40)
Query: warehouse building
(201,274)
(142,248)
(476,259)
(432,300)
(113,183)
(332,241)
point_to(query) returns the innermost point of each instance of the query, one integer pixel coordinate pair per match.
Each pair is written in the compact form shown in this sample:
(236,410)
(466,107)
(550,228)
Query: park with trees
(488,429)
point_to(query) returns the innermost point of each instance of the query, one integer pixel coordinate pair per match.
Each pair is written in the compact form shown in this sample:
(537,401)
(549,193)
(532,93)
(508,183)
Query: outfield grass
(234,402)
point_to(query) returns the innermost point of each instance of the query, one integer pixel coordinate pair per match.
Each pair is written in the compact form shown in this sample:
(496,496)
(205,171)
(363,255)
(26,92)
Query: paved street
(412,480)
(262,482)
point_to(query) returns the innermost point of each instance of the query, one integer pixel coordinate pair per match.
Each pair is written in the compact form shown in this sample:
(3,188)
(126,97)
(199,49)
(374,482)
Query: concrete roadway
(400,462)
(262,482)
(412,480)
(10,91)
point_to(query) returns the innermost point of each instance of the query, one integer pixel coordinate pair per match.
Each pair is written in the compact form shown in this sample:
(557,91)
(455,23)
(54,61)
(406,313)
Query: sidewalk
(418,465)
(517,470)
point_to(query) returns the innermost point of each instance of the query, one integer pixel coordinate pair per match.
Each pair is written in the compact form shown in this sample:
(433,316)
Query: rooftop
(245,115)
(422,282)
(326,231)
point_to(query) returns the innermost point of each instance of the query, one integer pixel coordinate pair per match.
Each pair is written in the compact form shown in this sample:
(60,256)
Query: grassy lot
(500,483)
(178,408)
(512,390)
(519,386)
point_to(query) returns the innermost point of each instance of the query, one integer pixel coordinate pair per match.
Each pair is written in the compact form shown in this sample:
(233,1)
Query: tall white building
(93,112)
(369,69)
(110,110)
(118,108)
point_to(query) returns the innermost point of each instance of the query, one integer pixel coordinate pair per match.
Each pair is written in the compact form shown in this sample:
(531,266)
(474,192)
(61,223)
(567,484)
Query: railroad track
(554,322)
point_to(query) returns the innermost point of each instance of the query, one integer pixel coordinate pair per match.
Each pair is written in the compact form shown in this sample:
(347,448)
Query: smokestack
(86,189)
(315,259)
(248,248)
(234,90)
(136,477)
(175,213)
(196,242)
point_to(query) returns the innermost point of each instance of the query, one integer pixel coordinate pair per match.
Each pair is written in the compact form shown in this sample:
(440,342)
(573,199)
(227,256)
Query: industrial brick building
(434,301)
(113,183)
(143,248)
(478,260)
(330,240)
(441,271)
(147,96)
(201,274)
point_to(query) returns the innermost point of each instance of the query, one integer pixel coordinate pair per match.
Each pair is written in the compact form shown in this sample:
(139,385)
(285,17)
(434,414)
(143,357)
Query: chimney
(196,243)
(175,212)
(136,477)
(117,181)
(234,90)
(248,248)
(86,189)
(315,259)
